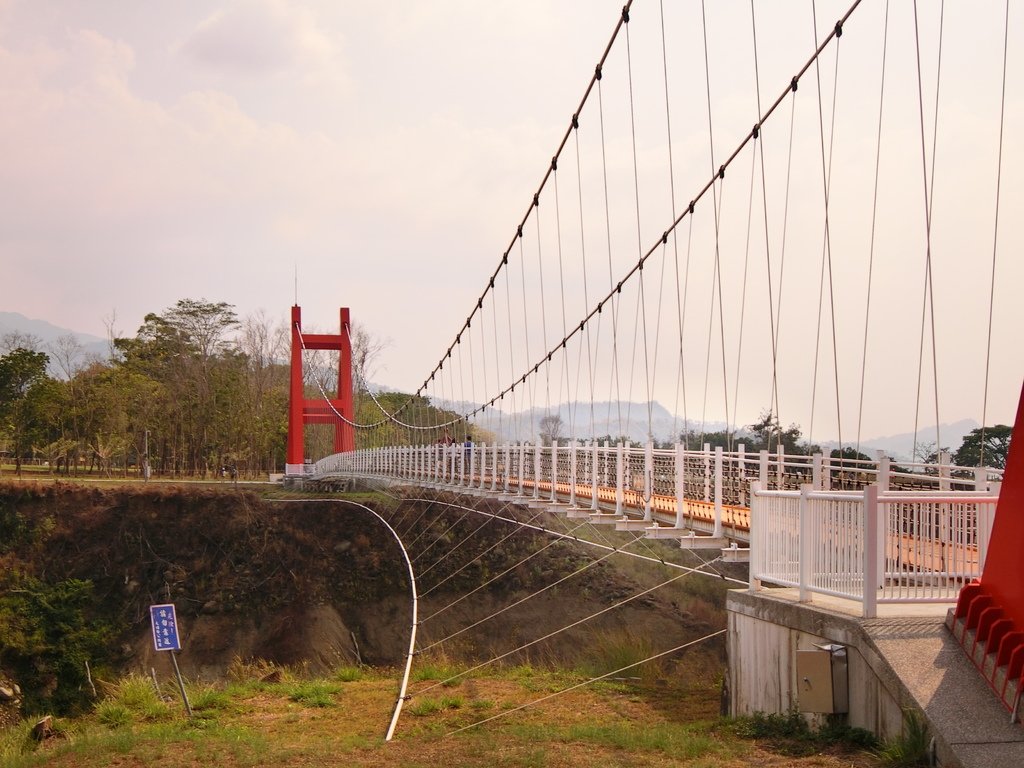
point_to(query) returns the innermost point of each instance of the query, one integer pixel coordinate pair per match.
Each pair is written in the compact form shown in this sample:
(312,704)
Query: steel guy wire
(549,635)
(995,235)
(874,221)
(618,671)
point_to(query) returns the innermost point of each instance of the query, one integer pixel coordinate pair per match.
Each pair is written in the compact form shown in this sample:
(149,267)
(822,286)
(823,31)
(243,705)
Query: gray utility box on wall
(822,680)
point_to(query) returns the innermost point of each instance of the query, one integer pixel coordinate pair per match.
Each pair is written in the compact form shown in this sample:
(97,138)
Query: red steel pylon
(989,617)
(302,411)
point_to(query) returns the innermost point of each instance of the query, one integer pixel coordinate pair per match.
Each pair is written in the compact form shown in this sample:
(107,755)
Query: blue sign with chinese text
(165,628)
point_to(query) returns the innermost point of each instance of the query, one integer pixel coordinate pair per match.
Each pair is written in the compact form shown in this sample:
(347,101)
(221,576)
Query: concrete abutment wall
(765,634)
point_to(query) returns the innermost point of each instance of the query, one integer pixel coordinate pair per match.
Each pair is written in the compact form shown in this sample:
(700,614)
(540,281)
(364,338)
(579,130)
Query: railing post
(756,547)
(620,472)
(718,491)
(707,471)
(826,473)
(762,469)
(508,464)
(593,475)
(884,471)
(680,486)
(805,546)
(572,474)
(816,471)
(536,469)
(483,466)
(780,467)
(741,474)
(872,551)
(521,472)
(944,473)
(494,469)
(648,479)
(554,470)
(980,479)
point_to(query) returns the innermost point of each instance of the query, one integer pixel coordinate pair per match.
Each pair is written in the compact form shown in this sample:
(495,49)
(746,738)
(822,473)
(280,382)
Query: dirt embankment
(318,582)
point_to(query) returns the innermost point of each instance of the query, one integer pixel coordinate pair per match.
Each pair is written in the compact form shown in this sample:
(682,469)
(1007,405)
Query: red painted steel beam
(989,617)
(302,411)
(1003,576)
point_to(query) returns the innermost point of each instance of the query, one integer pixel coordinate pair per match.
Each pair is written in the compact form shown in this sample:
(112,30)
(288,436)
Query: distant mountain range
(665,427)
(47,334)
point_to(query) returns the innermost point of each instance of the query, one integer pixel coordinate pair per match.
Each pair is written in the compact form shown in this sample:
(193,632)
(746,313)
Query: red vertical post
(294,455)
(344,434)
(1003,577)
(989,617)
(319,411)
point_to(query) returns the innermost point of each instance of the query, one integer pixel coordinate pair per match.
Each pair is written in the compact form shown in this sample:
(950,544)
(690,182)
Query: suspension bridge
(804,229)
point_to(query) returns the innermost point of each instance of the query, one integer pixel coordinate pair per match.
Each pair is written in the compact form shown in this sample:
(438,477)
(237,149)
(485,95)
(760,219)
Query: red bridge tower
(302,411)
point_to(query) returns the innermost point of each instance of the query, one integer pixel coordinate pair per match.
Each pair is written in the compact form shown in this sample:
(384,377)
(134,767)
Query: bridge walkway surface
(915,657)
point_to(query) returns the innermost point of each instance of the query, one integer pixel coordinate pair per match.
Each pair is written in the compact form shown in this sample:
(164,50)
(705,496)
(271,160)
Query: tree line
(195,392)
(984,446)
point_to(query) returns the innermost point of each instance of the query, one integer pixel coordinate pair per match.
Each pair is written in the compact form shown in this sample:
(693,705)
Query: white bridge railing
(914,532)
(870,546)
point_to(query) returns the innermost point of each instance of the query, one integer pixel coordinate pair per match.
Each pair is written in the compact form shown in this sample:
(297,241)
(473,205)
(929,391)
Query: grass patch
(431,706)
(791,735)
(673,740)
(113,714)
(437,669)
(255,724)
(913,746)
(208,698)
(133,698)
(623,650)
(314,693)
(253,670)
(349,674)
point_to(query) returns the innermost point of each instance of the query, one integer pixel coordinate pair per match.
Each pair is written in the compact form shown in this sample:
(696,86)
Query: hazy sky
(384,153)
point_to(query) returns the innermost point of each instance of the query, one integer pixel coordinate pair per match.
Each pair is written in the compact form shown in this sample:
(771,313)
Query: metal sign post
(165,638)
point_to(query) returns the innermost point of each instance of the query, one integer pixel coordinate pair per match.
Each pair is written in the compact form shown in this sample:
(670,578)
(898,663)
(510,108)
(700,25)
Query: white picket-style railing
(822,525)
(870,546)
(586,470)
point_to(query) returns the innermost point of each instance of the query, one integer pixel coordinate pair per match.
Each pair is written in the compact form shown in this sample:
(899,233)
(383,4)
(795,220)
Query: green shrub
(47,635)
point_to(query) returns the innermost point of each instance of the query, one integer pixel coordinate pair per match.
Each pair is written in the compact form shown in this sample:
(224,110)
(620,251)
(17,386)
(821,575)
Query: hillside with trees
(196,391)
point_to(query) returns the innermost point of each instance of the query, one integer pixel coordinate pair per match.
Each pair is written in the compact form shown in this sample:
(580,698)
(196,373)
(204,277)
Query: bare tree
(550,428)
(13,340)
(366,348)
(67,354)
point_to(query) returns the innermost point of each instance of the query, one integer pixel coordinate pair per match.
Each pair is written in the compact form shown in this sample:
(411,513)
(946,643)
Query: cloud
(259,39)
